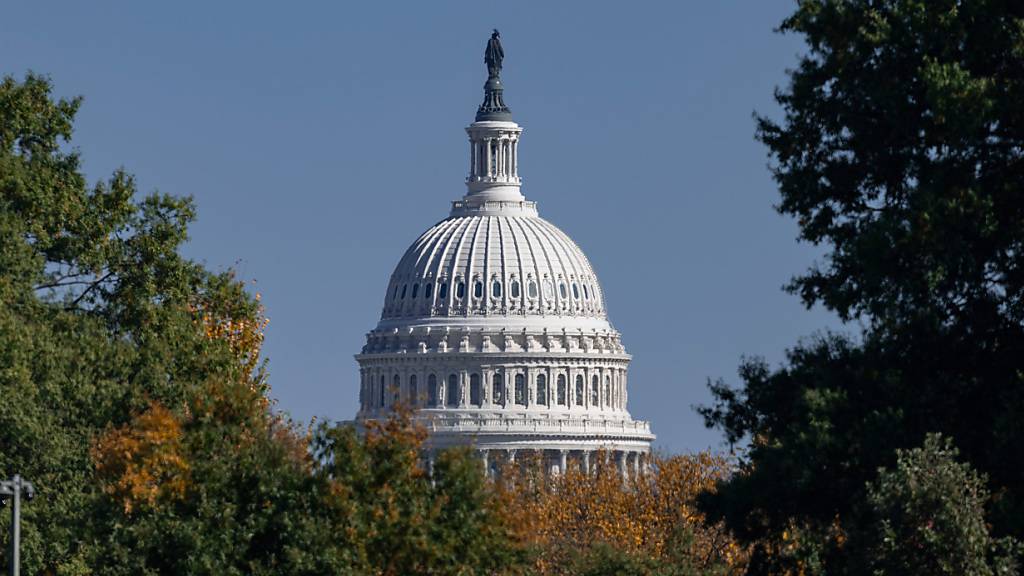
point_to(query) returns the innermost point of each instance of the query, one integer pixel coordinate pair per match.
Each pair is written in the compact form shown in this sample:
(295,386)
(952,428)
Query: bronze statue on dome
(494,54)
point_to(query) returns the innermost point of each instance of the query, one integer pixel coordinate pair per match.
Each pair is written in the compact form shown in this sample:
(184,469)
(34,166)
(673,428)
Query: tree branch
(75,302)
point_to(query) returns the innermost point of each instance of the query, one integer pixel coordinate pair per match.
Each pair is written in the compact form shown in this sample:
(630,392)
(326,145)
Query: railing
(565,425)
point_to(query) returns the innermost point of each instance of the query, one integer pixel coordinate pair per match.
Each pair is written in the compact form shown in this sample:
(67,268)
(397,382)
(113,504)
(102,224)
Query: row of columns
(494,158)
(629,463)
(378,388)
(587,298)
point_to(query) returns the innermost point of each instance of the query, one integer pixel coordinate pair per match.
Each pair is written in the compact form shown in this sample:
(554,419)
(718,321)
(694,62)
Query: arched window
(520,390)
(575,291)
(478,289)
(498,388)
(383,385)
(404,288)
(514,290)
(432,390)
(560,392)
(561,290)
(594,385)
(579,390)
(531,289)
(548,290)
(396,387)
(414,395)
(496,289)
(542,389)
(586,294)
(394,293)
(442,292)
(474,389)
(452,390)
(415,290)
(607,391)
(428,290)
(460,290)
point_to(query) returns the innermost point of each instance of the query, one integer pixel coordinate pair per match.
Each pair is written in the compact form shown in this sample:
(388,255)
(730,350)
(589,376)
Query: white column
(509,384)
(563,461)
(515,157)
(485,388)
(586,461)
(626,393)
(586,388)
(463,388)
(501,158)
(490,157)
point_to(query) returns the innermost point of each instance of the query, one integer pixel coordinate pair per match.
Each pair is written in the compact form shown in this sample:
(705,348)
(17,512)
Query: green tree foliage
(96,317)
(901,150)
(133,395)
(928,517)
(398,519)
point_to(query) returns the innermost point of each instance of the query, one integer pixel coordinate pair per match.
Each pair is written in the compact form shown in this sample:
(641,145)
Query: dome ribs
(519,261)
(562,269)
(471,258)
(444,231)
(488,249)
(541,297)
(442,261)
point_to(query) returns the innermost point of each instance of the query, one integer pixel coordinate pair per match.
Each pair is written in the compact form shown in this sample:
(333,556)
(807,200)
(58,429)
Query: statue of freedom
(494,55)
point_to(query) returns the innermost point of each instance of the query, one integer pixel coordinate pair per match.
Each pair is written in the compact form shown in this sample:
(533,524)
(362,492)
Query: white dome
(494,266)
(494,328)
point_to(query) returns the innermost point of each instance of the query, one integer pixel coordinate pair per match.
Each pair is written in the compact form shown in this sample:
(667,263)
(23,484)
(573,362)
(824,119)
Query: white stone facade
(494,329)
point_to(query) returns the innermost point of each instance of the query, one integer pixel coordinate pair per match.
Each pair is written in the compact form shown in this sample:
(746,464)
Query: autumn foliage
(143,462)
(650,517)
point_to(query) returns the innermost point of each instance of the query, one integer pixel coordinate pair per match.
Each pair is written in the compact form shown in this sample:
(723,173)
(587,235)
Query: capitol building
(495,327)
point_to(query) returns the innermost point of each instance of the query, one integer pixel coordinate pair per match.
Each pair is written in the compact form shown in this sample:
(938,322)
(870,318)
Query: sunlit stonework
(494,325)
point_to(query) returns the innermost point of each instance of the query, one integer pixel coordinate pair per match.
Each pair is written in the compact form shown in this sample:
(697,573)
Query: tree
(94,316)
(596,522)
(927,516)
(395,519)
(900,150)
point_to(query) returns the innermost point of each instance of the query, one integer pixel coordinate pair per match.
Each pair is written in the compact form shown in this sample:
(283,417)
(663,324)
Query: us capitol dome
(495,327)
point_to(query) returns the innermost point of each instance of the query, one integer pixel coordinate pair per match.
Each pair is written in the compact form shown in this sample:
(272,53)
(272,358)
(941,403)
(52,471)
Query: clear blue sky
(319,140)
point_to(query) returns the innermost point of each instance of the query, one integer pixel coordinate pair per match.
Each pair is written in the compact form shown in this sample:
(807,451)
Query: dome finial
(493,107)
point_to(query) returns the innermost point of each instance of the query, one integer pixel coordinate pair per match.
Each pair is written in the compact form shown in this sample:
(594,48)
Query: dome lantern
(493,179)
